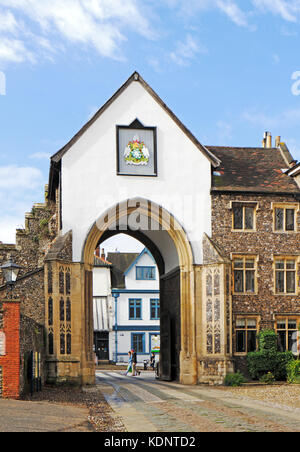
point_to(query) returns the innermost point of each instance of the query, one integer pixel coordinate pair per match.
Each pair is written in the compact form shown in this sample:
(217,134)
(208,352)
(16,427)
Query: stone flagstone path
(148,405)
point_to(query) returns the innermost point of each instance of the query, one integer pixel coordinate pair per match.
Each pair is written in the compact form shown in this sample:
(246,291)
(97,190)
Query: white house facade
(137,311)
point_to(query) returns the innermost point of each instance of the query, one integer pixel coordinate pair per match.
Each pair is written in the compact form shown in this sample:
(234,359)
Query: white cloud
(8,22)
(186,51)
(20,187)
(287,118)
(13,50)
(233,11)
(17,177)
(289,10)
(101,25)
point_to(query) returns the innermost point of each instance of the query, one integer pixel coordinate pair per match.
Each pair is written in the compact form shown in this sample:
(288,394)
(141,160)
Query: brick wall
(10,363)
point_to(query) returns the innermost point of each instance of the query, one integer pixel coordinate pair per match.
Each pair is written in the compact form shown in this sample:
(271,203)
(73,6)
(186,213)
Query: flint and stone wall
(265,305)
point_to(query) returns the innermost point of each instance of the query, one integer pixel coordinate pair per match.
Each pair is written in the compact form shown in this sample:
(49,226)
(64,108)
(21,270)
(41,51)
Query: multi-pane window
(244,270)
(288,336)
(243,217)
(138,342)
(284,219)
(145,273)
(285,276)
(245,331)
(154,309)
(135,309)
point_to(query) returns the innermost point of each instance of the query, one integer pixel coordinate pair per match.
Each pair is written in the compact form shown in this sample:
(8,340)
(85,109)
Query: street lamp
(10,272)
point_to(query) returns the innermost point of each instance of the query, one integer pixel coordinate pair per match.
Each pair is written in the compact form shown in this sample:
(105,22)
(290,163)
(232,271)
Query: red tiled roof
(251,170)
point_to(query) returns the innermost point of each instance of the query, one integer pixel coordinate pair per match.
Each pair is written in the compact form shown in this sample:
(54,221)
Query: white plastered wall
(90,184)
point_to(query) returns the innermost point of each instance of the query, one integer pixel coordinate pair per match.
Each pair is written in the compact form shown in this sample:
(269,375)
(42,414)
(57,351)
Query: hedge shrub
(267,378)
(234,380)
(293,371)
(268,359)
(267,340)
(260,363)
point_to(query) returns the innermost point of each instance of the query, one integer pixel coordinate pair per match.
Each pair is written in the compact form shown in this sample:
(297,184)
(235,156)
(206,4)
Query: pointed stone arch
(122,214)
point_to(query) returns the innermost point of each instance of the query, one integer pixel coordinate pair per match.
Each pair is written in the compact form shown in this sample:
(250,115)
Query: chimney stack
(267,141)
(277,142)
(103,253)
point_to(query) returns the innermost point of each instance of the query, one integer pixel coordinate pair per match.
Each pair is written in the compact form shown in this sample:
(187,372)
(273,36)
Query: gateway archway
(161,233)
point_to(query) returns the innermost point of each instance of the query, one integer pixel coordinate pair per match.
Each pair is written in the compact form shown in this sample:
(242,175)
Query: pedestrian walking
(134,363)
(130,366)
(152,361)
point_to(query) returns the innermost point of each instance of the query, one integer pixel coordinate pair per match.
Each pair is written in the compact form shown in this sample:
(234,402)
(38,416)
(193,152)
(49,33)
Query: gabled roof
(260,170)
(135,78)
(122,261)
(135,262)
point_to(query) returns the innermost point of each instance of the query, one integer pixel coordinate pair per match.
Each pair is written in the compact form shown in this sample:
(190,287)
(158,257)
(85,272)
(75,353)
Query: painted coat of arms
(136,153)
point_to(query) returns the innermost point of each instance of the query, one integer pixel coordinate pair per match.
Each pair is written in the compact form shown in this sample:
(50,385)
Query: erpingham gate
(134,168)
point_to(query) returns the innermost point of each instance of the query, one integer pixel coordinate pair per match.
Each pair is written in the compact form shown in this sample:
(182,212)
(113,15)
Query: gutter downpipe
(116,296)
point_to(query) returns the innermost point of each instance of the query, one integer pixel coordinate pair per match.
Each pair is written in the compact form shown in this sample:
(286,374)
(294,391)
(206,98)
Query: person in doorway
(134,363)
(130,366)
(152,360)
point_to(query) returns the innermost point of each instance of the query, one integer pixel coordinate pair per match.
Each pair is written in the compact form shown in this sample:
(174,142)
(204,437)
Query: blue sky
(225,67)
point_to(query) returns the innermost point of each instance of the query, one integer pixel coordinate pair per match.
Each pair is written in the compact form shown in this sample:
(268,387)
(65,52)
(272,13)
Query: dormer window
(145,273)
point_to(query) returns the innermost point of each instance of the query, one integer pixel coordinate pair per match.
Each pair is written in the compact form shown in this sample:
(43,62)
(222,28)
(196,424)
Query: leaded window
(51,343)
(284,219)
(244,270)
(62,310)
(68,283)
(61,282)
(50,312)
(288,336)
(243,217)
(62,344)
(285,276)
(69,344)
(246,332)
(50,280)
(68,310)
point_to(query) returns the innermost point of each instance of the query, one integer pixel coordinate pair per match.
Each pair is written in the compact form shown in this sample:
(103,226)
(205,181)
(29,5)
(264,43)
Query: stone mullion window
(50,279)
(61,281)
(213,313)
(285,217)
(244,275)
(62,326)
(243,216)
(288,335)
(50,327)
(245,335)
(68,282)
(285,276)
(65,316)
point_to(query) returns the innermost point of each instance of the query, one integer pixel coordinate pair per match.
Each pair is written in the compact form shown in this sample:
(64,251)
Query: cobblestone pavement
(147,405)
